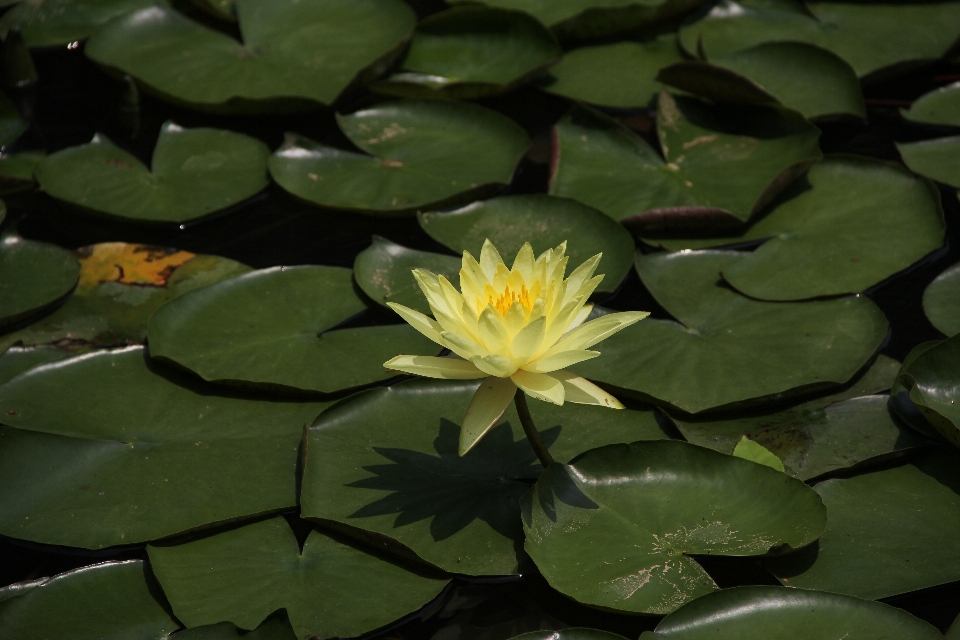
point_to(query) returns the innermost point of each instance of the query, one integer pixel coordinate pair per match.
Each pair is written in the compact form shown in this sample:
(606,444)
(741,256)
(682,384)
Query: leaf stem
(533,436)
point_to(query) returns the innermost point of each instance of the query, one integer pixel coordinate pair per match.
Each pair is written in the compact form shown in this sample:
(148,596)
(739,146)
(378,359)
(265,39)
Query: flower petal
(462,345)
(486,408)
(589,334)
(489,260)
(434,367)
(499,366)
(579,276)
(581,316)
(540,386)
(524,263)
(422,323)
(560,360)
(528,340)
(581,391)
(493,335)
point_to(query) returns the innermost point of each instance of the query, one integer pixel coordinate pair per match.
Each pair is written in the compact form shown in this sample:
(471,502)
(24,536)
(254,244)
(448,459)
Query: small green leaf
(755,452)
(940,106)
(938,159)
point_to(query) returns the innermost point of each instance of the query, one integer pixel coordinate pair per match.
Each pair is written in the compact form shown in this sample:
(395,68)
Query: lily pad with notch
(384,464)
(719,353)
(940,106)
(941,301)
(615,527)
(195,172)
(932,379)
(34,277)
(414,154)
(107,449)
(937,159)
(329,589)
(50,23)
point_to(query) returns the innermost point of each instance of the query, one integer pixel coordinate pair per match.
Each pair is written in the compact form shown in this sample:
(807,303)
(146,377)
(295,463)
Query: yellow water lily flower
(518,327)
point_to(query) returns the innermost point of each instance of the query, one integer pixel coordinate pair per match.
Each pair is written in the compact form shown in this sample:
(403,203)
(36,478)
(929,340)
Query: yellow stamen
(505,300)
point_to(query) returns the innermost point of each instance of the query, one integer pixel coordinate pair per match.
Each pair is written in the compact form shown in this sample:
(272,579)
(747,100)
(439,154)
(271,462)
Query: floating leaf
(293,53)
(329,589)
(754,452)
(50,23)
(16,171)
(940,106)
(274,328)
(472,51)
(756,612)
(900,402)
(723,163)
(274,628)
(544,221)
(941,301)
(421,153)
(889,532)
(800,76)
(868,36)
(933,381)
(620,75)
(723,352)
(589,528)
(12,124)
(17,360)
(110,450)
(195,172)
(109,600)
(572,633)
(386,461)
(33,277)
(938,159)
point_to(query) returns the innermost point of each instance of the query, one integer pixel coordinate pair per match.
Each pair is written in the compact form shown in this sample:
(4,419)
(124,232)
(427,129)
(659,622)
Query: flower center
(506,299)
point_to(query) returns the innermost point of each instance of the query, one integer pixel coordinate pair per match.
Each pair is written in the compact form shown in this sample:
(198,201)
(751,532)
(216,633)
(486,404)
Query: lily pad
(472,51)
(120,286)
(803,77)
(572,633)
(16,170)
(275,329)
(870,36)
(108,449)
(49,23)
(941,301)
(854,222)
(420,154)
(195,172)
(889,532)
(620,75)
(589,524)
(292,52)
(900,402)
(542,220)
(384,272)
(759,612)
(105,601)
(274,628)
(938,159)
(18,360)
(385,461)
(329,589)
(223,9)
(723,163)
(722,354)
(33,277)
(940,106)
(12,124)
(933,382)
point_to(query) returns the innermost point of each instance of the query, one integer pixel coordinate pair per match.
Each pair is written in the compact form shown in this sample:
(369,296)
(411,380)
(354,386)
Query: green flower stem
(520,399)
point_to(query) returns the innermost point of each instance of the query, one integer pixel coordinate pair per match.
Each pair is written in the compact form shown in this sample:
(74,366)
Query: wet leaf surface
(33,277)
(932,380)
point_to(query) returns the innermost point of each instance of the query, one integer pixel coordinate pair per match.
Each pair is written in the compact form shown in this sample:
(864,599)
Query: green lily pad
(954,631)
(853,223)
(120,286)
(274,628)
(755,452)
(18,360)
(49,23)
(16,170)
(542,220)
(620,75)
(761,612)
(385,461)
(223,9)
(421,153)
(384,272)
(293,53)
(33,277)
(731,350)
(472,51)
(803,77)
(590,529)
(870,36)
(941,301)
(940,106)
(195,172)
(329,589)
(275,329)
(572,633)
(900,401)
(889,532)
(109,450)
(106,601)
(723,163)
(12,124)
(932,380)
(938,159)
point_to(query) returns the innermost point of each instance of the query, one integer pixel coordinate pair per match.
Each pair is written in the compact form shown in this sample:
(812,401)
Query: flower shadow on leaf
(555,485)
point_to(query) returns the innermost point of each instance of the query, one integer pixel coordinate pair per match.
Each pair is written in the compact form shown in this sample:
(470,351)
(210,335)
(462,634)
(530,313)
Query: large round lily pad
(620,75)
(291,50)
(801,76)
(723,163)
(889,532)
(33,277)
(870,36)
(420,153)
(195,172)
(938,159)
(544,221)
(109,450)
(47,23)
(275,328)
(940,106)
(615,527)
(472,51)
(329,589)
(941,301)
(761,613)
(386,461)
(731,349)
(106,601)
(932,380)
